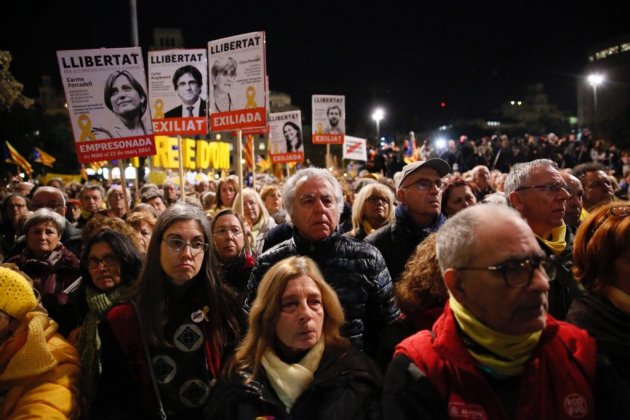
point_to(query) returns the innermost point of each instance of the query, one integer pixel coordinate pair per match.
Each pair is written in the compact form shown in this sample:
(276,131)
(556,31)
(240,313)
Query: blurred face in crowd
(158,204)
(52,199)
(228,193)
(574,203)
(251,209)
(91,200)
(597,189)
(481,177)
(377,208)
(42,238)
(170,192)
(460,198)
(104,266)
(273,201)
(182,266)
(543,209)
(146,230)
(228,237)
(299,326)
(315,212)
(116,202)
(423,205)
(17,207)
(508,310)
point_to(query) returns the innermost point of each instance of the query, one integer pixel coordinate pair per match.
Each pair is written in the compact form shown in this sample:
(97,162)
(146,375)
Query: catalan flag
(43,157)
(249,149)
(18,159)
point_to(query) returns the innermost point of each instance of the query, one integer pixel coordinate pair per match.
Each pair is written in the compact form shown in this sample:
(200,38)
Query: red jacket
(557,382)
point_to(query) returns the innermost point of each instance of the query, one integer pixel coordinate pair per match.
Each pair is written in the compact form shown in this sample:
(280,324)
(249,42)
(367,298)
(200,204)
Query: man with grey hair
(495,352)
(356,270)
(539,193)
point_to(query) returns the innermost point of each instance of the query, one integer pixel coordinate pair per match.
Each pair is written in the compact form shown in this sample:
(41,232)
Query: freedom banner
(286,142)
(329,119)
(237,73)
(354,148)
(178,89)
(106,92)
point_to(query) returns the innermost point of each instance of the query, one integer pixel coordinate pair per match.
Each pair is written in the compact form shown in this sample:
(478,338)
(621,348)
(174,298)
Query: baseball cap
(440,166)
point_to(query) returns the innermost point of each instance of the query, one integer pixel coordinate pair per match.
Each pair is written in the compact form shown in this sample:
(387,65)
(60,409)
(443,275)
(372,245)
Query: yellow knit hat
(16,294)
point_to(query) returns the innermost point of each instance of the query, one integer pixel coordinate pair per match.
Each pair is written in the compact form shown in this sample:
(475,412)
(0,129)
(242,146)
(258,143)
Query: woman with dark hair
(601,258)
(232,247)
(293,136)
(14,206)
(458,195)
(227,189)
(163,348)
(127,99)
(294,363)
(110,263)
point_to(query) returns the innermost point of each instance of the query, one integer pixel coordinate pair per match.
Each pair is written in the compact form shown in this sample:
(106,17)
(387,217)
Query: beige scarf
(291,380)
(619,298)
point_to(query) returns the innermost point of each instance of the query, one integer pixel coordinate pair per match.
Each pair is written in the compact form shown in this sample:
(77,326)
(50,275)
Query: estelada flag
(18,159)
(43,157)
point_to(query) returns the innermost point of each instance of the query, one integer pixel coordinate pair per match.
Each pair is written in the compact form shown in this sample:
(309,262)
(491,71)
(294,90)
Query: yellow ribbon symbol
(320,128)
(159,109)
(86,128)
(250,93)
(276,149)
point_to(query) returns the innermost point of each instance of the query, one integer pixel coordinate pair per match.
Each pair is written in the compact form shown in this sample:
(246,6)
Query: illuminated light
(595,79)
(443,104)
(440,143)
(218,136)
(520,103)
(512,102)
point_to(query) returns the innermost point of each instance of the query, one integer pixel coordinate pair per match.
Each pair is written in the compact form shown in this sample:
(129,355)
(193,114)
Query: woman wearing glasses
(372,209)
(109,265)
(163,349)
(601,256)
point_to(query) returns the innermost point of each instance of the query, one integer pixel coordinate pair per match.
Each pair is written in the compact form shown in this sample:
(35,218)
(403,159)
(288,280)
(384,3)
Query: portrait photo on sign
(286,137)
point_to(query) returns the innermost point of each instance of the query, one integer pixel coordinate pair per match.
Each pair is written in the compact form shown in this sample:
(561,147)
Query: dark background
(407,58)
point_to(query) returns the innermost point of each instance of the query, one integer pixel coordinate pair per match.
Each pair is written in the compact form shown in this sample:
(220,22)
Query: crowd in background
(292,297)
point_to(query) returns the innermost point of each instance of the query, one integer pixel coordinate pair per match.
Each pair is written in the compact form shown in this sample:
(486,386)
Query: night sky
(473,56)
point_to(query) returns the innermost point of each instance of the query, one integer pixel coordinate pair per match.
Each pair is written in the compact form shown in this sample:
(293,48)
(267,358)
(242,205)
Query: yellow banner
(66,178)
(196,154)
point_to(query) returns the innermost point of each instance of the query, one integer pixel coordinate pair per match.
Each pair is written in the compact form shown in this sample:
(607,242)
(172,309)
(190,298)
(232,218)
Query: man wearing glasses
(495,353)
(419,192)
(536,189)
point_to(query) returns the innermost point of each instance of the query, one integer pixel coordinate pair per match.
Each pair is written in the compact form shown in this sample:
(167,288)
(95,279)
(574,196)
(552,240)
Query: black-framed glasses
(108,260)
(518,273)
(616,211)
(550,188)
(377,200)
(178,245)
(425,185)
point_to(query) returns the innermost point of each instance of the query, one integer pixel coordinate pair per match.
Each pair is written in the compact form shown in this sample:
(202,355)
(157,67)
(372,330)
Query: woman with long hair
(294,363)
(163,349)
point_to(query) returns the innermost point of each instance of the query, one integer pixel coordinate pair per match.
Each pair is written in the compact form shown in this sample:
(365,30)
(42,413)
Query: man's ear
(455,284)
(516,201)
(400,195)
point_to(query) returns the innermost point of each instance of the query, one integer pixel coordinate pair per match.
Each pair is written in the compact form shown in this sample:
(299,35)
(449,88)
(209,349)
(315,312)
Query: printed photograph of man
(187,82)
(335,124)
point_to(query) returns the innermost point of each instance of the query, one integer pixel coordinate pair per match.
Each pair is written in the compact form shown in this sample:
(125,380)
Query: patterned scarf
(88,342)
(505,355)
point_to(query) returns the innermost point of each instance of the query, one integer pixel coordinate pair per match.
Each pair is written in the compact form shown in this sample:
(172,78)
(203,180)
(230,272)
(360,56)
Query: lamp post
(595,80)
(377,116)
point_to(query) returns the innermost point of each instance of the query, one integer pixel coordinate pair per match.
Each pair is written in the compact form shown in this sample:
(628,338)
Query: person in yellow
(39,370)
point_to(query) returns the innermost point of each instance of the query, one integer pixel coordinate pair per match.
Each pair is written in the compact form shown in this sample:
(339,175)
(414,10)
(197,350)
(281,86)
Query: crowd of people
(453,288)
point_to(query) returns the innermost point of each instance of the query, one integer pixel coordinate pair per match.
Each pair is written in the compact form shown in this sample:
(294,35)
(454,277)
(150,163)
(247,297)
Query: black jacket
(398,240)
(357,272)
(347,385)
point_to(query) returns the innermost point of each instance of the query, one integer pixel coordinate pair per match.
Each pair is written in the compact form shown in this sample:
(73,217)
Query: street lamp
(595,80)
(377,116)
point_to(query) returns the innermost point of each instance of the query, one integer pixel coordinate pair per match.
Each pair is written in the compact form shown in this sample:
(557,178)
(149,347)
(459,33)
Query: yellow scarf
(27,353)
(584,214)
(509,353)
(290,381)
(367,227)
(619,298)
(556,243)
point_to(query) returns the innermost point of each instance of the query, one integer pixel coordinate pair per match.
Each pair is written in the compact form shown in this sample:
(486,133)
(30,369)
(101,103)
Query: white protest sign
(285,137)
(329,119)
(355,148)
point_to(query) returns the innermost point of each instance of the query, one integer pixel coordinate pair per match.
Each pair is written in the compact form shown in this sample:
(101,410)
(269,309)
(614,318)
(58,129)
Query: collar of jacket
(326,245)
(404,223)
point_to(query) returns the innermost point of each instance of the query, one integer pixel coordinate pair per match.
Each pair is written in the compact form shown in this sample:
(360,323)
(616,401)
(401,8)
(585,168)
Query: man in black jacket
(419,191)
(356,270)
